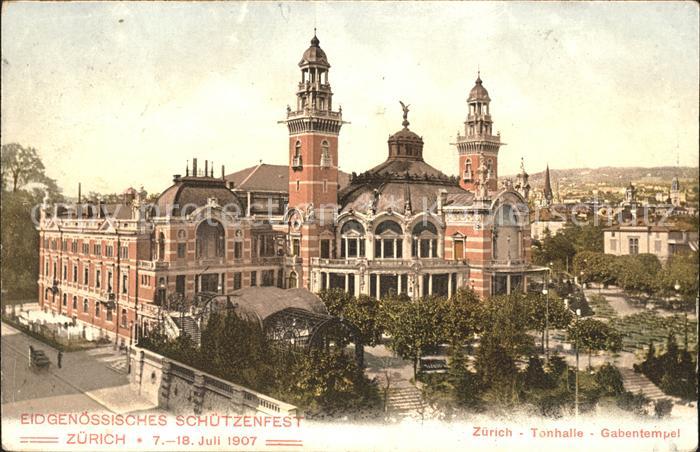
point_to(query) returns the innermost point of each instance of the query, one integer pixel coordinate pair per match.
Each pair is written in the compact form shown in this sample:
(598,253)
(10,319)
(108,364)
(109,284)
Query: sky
(123,94)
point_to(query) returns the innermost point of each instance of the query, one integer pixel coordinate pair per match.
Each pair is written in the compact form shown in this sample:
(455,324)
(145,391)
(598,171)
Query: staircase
(189,326)
(638,382)
(404,398)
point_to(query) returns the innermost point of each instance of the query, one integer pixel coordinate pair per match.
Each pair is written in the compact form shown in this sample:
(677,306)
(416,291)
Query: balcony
(297,164)
(379,264)
(153,265)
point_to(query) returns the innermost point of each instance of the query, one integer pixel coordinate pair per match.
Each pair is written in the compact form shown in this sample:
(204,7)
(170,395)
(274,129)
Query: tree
(544,311)
(20,166)
(594,334)
(361,312)
(595,267)
(609,379)
(460,316)
(681,270)
(329,383)
(414,325)
(505,320)
(637,273)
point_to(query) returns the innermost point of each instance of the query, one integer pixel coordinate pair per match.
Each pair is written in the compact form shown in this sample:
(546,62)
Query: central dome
(405,144)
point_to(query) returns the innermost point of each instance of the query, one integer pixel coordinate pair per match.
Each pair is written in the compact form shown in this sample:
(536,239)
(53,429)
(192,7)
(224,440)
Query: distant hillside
(617,175)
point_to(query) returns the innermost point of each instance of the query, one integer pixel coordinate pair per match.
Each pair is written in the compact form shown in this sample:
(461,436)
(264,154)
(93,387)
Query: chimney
(187,168)
(211,174)
(79,193)
(194,167)
(206,168)
(223,173)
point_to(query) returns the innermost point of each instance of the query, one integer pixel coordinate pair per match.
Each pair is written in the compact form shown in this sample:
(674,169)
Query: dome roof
(478,92)
(191,192)
(314,55)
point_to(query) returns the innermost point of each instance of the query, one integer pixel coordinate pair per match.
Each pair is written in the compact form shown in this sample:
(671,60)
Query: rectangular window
(110,278)
(181,250)
(125,284)
(459,249)
(75,303)
(74,246)
(75,273)
(86,305)
(325,249)
(125,252)
(295,247)
(109,250)
(97,249)
(180,284)
(109,315)
(634,245)
(97,309)
(86,276)
(237,280)
(238,250)
(268,278)
(253,279)
(65,272)
(98,279)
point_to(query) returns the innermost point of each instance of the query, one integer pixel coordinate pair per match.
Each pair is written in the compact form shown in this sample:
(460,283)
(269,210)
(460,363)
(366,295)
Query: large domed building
(402,226)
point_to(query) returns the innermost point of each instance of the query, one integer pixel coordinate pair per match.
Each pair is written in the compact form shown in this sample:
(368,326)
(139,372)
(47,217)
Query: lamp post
(578,314)
(545,292)
(677,288)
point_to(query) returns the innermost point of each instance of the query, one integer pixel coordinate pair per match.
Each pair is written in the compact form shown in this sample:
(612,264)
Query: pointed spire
(547,185)
(314,41)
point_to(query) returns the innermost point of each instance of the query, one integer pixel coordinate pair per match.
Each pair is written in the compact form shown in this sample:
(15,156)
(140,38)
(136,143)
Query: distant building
(661,241)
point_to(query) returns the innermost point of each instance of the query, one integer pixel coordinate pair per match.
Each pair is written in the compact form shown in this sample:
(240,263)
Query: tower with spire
(521,184)
(313,128)
(548,195)
(478,139)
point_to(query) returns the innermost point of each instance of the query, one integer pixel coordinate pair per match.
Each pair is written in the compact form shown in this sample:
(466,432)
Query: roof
(266,177)
(478,92)
(262,302)
(192,192)
(314,55)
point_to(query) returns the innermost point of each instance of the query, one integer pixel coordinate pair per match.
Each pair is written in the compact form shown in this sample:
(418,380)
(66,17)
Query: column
(430,284)
(347,283)
(399,283)
(508,284)
(379,281)
(449,285)
(328,280)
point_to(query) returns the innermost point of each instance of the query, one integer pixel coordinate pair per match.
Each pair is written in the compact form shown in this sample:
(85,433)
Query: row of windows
(86,277)
(97,312)
(85,249)
(325,161)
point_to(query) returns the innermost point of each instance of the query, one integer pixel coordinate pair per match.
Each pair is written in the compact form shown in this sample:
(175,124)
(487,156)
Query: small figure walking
(60,358)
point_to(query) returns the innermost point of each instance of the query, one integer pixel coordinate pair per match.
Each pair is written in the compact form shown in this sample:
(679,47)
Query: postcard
(349,226)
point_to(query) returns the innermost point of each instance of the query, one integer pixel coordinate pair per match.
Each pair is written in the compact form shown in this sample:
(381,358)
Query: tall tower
(478,138)
(675,192)
(313,166)
(313,135)
(548,195)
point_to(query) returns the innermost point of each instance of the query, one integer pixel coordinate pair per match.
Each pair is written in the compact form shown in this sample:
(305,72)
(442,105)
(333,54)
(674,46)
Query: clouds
(119,94)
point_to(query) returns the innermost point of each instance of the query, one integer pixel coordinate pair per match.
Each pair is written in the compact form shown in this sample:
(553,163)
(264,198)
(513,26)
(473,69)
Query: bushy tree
(638,273)
(609,379)
(460,315)
(593,334)
(414,325)
(362,312)
(546,310)
(595,267)
(681,270)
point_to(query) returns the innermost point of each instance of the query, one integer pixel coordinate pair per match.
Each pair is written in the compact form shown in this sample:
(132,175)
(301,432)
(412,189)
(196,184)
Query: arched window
(161,246)
(123,318)
(352,240)
(75,302)
(489,168)
(296,160)
(325,154)
(468,170)
(210,240)
(506,216)
(85,305)
(65,300)
(424,242)
(388,240)
(292,280)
